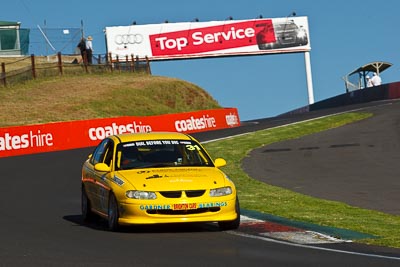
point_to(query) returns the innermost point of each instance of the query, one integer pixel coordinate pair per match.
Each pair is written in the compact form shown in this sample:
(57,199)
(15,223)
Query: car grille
(178,194)
(195,193)
(171,194)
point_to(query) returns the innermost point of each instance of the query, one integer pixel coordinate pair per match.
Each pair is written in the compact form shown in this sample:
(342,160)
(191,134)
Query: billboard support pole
(309,78)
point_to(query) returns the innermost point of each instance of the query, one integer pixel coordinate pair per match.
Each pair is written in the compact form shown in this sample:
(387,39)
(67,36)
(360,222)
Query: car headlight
(222,191)
(301,34)
(140,194)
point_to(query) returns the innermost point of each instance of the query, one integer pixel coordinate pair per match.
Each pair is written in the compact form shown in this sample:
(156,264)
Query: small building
(357,79)
(14,41)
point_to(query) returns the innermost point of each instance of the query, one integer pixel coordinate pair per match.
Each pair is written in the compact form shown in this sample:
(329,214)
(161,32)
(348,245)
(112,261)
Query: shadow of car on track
(101,225)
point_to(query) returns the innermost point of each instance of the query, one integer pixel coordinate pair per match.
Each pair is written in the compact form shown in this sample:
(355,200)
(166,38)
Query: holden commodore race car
(158,177)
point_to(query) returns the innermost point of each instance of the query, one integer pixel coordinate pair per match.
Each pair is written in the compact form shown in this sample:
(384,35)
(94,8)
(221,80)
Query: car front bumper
(214,210)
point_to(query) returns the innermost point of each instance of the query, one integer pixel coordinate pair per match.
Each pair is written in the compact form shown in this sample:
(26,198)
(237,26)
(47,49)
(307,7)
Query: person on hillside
(82,48)
(376,80)
(89,49)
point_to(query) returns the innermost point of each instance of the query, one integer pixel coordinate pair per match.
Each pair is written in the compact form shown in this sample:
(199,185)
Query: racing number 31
(192,147)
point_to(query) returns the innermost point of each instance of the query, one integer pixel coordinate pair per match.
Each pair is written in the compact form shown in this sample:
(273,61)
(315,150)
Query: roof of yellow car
(151,136)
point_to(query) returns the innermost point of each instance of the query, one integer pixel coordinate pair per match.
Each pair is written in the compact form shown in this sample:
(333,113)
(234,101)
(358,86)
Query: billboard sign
(209,39)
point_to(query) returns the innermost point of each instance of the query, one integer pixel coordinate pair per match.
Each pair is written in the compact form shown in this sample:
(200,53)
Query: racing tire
(113,213)
(234,224)
(86,208)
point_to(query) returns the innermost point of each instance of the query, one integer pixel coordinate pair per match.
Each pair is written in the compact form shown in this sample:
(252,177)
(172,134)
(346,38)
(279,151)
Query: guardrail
(17,70)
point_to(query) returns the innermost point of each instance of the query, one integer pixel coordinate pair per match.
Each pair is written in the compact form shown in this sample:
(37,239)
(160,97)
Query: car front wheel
(234,224)
(87,214)
(113,213)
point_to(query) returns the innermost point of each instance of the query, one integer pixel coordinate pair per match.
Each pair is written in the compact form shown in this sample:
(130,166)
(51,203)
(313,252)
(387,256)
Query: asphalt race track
(357,164)
(40,203)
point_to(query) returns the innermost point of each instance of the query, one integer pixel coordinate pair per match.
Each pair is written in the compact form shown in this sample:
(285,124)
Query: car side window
(103,153)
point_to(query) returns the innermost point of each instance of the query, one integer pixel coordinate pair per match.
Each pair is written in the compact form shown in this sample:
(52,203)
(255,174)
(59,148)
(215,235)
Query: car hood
(165,179)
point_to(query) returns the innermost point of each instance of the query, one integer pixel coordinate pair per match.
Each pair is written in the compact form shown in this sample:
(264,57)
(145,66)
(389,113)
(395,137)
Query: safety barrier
(376,93)
(57,136)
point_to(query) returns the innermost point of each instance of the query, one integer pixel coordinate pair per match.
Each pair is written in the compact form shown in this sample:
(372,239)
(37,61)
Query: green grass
(103,95)
(258,196)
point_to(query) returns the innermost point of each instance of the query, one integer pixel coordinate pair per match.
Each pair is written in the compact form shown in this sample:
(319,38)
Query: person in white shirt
(369,83)
(376,80)
(89,49)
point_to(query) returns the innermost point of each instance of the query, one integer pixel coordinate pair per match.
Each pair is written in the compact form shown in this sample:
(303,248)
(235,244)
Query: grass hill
(91,96)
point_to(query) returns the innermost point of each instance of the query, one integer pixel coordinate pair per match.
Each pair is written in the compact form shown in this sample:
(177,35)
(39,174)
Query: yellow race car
(158,177)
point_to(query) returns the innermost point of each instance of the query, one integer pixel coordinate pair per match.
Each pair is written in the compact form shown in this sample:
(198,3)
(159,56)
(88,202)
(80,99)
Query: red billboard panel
(211,39)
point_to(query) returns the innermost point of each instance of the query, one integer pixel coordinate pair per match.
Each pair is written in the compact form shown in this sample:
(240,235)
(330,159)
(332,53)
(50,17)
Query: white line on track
(312,247)
(293,123)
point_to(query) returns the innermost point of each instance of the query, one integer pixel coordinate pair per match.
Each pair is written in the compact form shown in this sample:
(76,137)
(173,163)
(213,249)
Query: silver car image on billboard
(287,34)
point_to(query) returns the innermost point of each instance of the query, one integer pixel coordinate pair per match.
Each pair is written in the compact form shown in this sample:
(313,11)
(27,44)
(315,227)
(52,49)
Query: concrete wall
(382,92)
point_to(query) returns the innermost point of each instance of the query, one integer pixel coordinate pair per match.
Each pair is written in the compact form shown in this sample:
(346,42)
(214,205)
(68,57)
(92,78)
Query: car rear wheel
(113,213)
(234,224)
(87,213)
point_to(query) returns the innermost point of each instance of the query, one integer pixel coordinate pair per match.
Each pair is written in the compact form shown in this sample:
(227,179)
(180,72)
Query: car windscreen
(160,153)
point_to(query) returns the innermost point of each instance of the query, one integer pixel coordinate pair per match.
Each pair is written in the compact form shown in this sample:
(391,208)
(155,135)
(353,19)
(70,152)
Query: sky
(344,34)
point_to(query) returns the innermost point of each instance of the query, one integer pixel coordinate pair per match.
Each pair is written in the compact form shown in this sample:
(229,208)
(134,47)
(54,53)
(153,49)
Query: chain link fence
(33,53)
(38,41)
(50,41)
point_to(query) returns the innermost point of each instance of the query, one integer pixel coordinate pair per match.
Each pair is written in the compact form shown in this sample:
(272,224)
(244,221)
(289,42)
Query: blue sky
(344,35)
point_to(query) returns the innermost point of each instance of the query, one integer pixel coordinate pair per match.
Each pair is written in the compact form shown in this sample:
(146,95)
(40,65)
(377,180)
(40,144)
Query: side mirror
(219,162)
(102,167)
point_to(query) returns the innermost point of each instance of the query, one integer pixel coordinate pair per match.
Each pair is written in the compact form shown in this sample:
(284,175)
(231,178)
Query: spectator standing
(369,82)
(82,48)
(89,49)
(376,80)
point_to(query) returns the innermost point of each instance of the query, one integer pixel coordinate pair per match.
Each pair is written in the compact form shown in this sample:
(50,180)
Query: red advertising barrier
(394,90)
(40,138)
